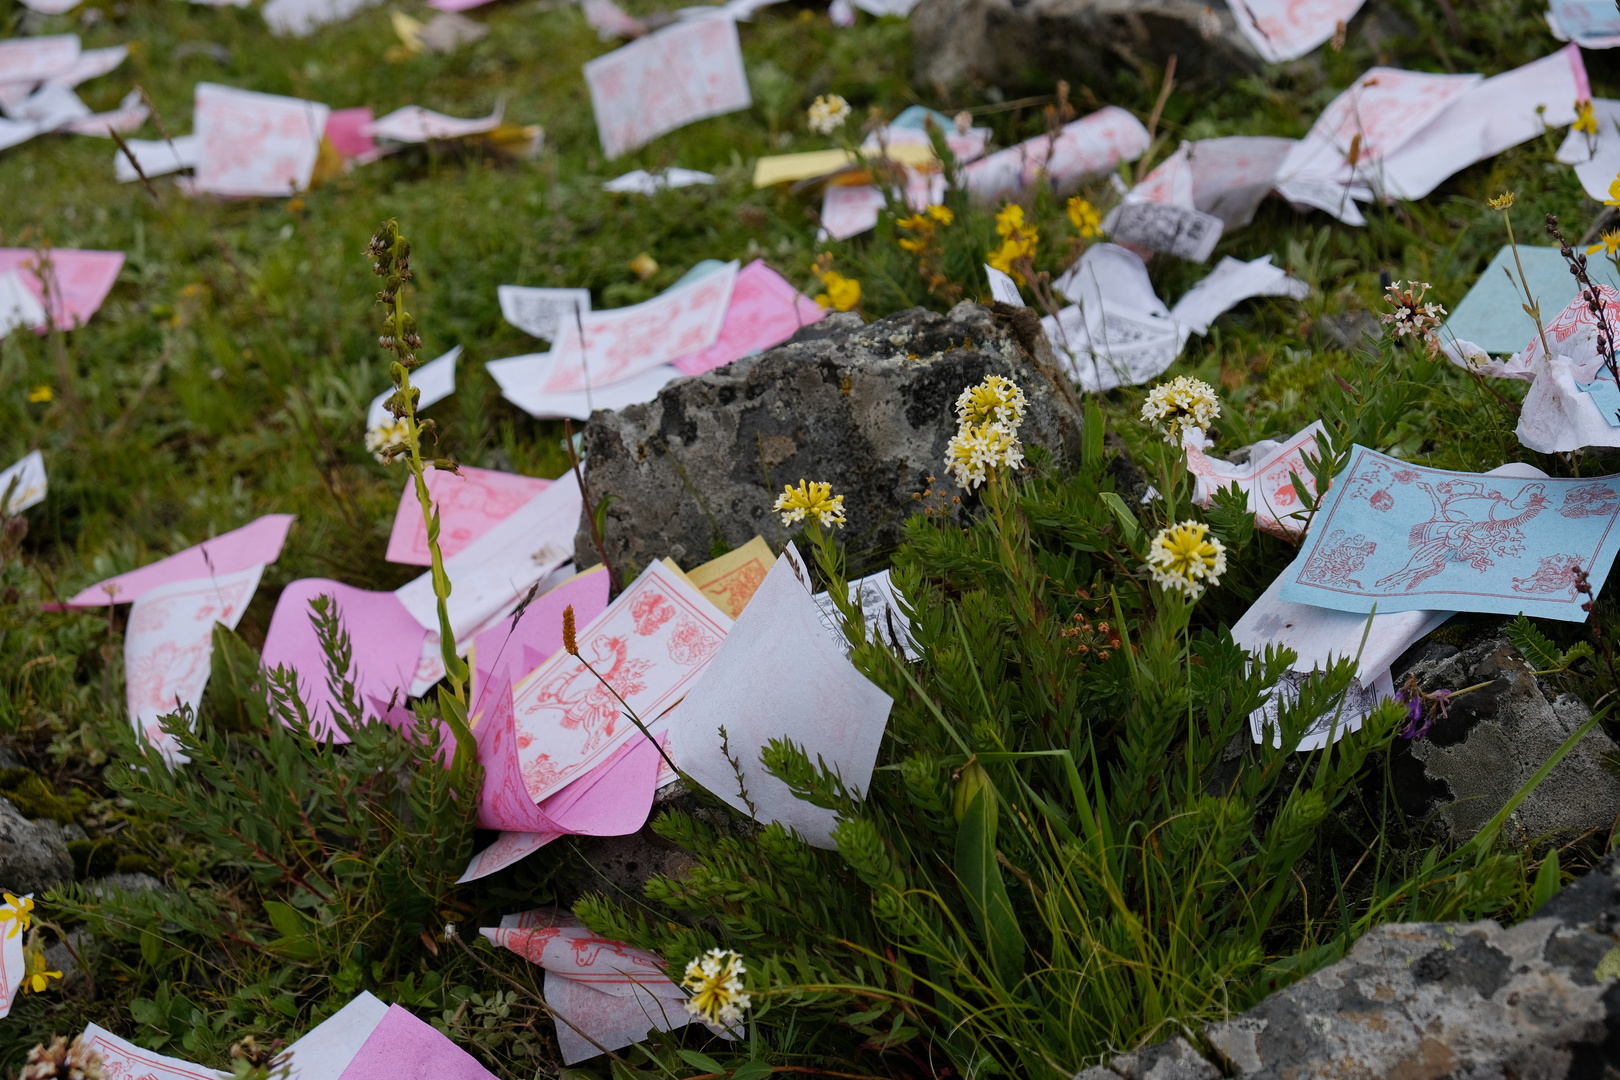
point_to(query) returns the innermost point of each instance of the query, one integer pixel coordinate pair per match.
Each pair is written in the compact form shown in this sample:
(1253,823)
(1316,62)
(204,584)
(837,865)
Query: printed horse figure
(1467,526)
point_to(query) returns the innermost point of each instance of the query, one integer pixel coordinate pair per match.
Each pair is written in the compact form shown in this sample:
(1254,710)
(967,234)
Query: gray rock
(866,408)
(1494,738)
(1174,1059)
(103,887)
(73,957)
(1347,331)
(33,855)
(999,42)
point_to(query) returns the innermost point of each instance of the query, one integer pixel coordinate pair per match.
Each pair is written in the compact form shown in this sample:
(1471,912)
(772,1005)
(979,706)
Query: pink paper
(404,1048)
(254,544)
(507,654)
(345,129)
(385,638)
(1089,146)
(666,80)
(764,311)
(255,144)
(504,803)
(650,645)
(1267,480)
(456,5)
(80,280)
(1288,29)
(469,506)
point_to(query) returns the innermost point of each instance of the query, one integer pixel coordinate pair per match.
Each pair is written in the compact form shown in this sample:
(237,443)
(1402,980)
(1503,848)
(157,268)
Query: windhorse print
(1405,537)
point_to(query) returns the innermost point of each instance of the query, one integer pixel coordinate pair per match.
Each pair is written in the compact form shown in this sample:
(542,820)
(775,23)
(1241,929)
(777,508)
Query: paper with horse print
(650,646)
(1407,537)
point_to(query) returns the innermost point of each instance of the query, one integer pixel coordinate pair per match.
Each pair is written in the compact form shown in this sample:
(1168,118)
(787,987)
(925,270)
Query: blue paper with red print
(1407,537)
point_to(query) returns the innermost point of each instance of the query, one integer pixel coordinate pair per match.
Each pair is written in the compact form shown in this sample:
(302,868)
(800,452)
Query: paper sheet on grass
(1492,314)
(508,653)
(255,144)
(403,1047)
(779,676)
(80,280)
(849,210)
(1283,30)
(683,73)
(1267,479)
(254,544)
(19,308)
(1087,147)
(121,1058)
(35,59)
(436,380)
(541,312)
(731,580)
(23,484)
(414,124)
(331,1045)
(885,620)
(1596,156)
(157,157)
(470,505)
(764,311)
(642,182)
(521,377)
(301,18)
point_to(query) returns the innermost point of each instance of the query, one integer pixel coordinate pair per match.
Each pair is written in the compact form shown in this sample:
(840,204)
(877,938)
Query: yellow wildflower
(1018,241)
(1186,558)
(40,394)
(19,912)
(1501,202)
(1182,405)
(1608,243)
(1084,217)
(644,266)
(391,433)
(941,214)
(996,400)
(1585,118)
(1010,220)
(842,294)
(828,114)
(813,499)
(716,981)
(1614,193)
(974,449)
(35,977)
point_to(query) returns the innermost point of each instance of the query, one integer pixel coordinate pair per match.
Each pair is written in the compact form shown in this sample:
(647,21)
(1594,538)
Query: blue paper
(1492,315)
(1586,18)
(1606,396)
(1410,538)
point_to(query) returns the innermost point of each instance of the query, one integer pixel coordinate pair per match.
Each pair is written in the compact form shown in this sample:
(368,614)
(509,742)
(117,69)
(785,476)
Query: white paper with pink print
(168,645)
(765,310)
(29,60)
(520,379)
(1283,30)
(849,210)
(650,645)
(123,1060)
(606,994)
(1267,479)
(255,144)
(1087,147)
(12,963)
(686,72)
(1224,177)
(414,124)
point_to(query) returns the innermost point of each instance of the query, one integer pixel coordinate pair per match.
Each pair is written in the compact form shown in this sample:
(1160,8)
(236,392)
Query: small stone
(33,854)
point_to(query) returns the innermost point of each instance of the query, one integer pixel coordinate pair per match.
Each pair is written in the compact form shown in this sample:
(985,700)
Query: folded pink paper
(405,1048)
(509,653)
(80,280)
(469,506)
(346,131)
(254,544)
(764,311)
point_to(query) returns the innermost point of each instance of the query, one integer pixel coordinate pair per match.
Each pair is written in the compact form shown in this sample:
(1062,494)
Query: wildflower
(40,394)
(828,114)
(1084,217)
(1585,119)
(996,400)
(1185,557)
(716,981)
(1501,202)
(843,293)
(978,447)
(813,499)
(570,641)
(62,1061)
(1412,317)
(1018,241)
(19,912)
(1608,243)
(1180,406)
(1614,193)
(35,977)
(963,122)
(644,266)
(380,438)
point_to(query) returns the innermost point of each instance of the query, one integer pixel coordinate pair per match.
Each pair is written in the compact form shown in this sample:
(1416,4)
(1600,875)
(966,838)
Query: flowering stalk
(571,647)
(1503,203)
(1593,298)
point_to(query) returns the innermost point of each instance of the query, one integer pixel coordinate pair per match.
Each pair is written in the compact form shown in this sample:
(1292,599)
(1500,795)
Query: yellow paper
(784,168)
(730,580)
(408,29)
(669,562)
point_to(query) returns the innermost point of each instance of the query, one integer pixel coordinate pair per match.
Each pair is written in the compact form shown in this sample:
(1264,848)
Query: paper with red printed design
(764,311)
(622,343)
(123,1060)
(1224,177)
(1267,479)
(1407,537)
(508,653)
(605,993)
(255,144)
(1089,146)
(686,72)
(469,506)
(650,646)
(79,280)
(1288,29)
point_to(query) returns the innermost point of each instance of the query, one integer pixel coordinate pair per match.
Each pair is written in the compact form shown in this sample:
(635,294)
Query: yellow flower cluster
(1186,558)
(1084,217)
(924,225)
(988,416)
(1585,119)
(715,979)
(843,293)
(382,437)
(1180,406)
(996,400)
(810,499)
(828,114)
(19,912)
(1018,241)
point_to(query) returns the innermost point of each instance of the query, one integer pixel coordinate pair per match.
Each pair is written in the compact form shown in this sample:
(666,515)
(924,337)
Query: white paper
(885,621)
(1087,147)
(1003,288)
(666,80)
(1267,478)
(16,132)
(778,675)
(1283,30)
(1182,231)
(1231,282)
(849,210)
(521,380)
(19,307)
(255,144)
(50,108)
(897,8)
(51,7)
(414,124)
(300,18)
(89,64)
(541,311)
(334,1043)
(1596,157)
(642,182)
(123,1060)
(13,964)
(436,379)
(129,116)
(1119,333)
(157,157)
(35,59)
(23,484)
(1360,699)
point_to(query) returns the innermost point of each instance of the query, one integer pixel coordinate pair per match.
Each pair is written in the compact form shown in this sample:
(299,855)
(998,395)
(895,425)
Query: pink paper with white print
(1288,29)
(12,964)
(469,506)
(255,144)
(1386,107)
(123,1060)
(402,1047)
(254,544)
(666,80)
(80,280)
(168,645)
(650,646)
(764,311)
(1267,480)
(624,342)
(35,59)
(507,653)
(1089,146)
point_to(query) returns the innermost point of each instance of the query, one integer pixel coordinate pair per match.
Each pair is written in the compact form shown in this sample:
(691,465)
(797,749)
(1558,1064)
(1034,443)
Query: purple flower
(1413,700)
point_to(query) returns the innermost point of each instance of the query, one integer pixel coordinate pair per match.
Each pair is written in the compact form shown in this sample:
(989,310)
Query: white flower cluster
(828,114)
(1180,406)
(987,420)
(1185,558)
(1412,317)
(715,978)
(380,438)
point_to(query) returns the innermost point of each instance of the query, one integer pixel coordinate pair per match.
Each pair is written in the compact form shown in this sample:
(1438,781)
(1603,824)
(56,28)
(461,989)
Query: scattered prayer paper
(610,21)
(764,310)
(80,280)
(1267,479)
(301,18)
(542,312)
(651,645)
(346,130)
(508,653)
(1283,30)
(642,182)
(403,1046)
(1003,288)
(121,1058)
(786,168)
(28,60)
(1408,537)
(23,485)
(129,116)
(156,157)
(605,994)
(326,1051)
(255,144)
(519,378)
(1224,179)
(436,380)
(254,544)
(1181,231)
(1591,24)
(849,210)
(1087,147)
(169,646)
(51,7)
(1595,155)
(1492,315)
(732,579)
(779,676)
(1351,711)
(1229,284)
(469,504)
(414,124)
(886,621)
(19,309)
(686,72)
(13,966)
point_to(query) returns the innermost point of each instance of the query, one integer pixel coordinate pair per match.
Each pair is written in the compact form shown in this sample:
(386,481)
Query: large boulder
(868,408)
(33,854)
(1020,42)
